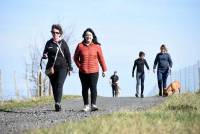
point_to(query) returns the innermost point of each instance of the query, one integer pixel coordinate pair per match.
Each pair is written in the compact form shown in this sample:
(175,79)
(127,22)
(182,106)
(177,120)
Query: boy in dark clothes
(114,82)
(140,74)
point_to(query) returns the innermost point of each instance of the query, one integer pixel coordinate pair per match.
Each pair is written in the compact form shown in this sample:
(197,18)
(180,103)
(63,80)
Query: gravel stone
(17,121)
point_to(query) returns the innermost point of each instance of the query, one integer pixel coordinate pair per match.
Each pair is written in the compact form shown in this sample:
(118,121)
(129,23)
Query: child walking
(140,74)
(114,80)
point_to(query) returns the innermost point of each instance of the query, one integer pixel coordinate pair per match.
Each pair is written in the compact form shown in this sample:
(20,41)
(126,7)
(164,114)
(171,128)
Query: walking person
(115,84)
(59,62)
(164,63)
(87,56)
(140,74)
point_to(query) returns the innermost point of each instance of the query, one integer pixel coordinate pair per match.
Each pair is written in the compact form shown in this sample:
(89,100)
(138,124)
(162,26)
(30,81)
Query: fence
(43,85)
(189,78)
(23,88)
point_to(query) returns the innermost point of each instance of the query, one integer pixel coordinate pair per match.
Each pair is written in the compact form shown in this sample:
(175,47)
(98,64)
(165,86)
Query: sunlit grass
(180,114)
(7,105)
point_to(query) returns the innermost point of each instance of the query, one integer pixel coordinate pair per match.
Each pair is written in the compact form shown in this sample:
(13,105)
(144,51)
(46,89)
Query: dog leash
(170,73)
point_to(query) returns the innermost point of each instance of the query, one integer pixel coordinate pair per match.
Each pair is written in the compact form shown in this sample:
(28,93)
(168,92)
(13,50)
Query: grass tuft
(12,104)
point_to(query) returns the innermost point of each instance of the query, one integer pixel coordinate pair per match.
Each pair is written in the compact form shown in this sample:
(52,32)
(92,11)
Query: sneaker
(142,96)
(94,107)
(86,108)
(57,107)
(136,95)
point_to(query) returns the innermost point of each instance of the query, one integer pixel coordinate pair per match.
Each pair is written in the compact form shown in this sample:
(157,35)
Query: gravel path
(16,121)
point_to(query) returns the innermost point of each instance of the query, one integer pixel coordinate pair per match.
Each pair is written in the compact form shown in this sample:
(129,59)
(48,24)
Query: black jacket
(139,63)
(114,78)
(61,62)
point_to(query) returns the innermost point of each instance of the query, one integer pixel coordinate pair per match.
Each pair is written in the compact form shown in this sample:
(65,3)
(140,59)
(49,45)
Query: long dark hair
(94,40)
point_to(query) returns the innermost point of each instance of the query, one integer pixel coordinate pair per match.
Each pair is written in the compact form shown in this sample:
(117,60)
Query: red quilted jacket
(88,57)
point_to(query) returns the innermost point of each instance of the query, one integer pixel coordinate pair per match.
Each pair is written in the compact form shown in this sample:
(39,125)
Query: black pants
(89,81)
(114,89)
(57,81)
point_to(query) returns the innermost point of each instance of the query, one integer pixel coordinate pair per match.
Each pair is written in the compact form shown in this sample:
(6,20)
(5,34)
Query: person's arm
(45,52)
(67,56)
(117,77)
(134,66)
(117,80)
(44,55)
(76,57)
(101,59)
(110,80)
(155,62)
(170,61)
(146,64)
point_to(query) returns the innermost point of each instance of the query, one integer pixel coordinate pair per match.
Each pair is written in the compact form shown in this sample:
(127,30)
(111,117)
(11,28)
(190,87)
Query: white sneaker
(86,108)
(94,107)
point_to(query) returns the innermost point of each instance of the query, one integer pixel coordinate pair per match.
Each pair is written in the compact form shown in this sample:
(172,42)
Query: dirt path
(16,121)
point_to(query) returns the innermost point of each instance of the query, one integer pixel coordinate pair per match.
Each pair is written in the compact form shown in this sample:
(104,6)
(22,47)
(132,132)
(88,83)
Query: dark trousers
(162,79)
(57,81)
(140,76)
(114,89)
(89,81)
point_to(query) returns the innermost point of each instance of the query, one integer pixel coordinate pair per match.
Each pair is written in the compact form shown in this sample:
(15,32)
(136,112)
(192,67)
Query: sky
(123,27)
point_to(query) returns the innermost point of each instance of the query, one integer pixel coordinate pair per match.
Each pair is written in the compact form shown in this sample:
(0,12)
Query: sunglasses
(55,32)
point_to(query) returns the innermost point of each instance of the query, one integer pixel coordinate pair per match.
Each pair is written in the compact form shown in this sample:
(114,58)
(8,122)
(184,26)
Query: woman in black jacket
(59,62)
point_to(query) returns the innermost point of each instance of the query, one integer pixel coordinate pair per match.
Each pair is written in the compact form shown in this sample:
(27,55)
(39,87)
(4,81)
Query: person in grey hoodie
(164,63)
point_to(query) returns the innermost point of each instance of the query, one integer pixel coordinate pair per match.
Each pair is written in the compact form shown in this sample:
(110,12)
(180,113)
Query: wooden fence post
(194,78)
(27,82)
(40,83)
(16,88)
(50,88)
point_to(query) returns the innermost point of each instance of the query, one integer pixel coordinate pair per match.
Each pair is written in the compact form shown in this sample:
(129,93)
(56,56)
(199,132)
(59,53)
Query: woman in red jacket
(87,56)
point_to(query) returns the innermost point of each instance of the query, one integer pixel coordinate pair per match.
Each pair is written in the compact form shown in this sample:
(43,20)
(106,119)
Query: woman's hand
(69,70)
(170,71)
(45,56)
(154,71)
(69,73)
(103,74)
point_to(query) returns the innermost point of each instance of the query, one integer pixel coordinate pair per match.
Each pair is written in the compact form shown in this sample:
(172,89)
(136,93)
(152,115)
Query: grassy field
(8,105)
(180,114)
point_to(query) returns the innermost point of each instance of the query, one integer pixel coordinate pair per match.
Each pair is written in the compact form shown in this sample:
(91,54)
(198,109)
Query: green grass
(179,114)
(13,104)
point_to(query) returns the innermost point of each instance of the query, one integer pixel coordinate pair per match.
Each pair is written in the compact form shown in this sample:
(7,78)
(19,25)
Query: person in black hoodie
(164,63)
(114,80)
(59,62)
(140,74)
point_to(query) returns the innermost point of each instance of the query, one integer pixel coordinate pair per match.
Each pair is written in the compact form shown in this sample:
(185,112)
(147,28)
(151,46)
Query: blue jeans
(162,79)
(140,76)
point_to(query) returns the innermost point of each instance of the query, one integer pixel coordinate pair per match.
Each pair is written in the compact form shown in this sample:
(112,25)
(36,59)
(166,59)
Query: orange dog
(174,87)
